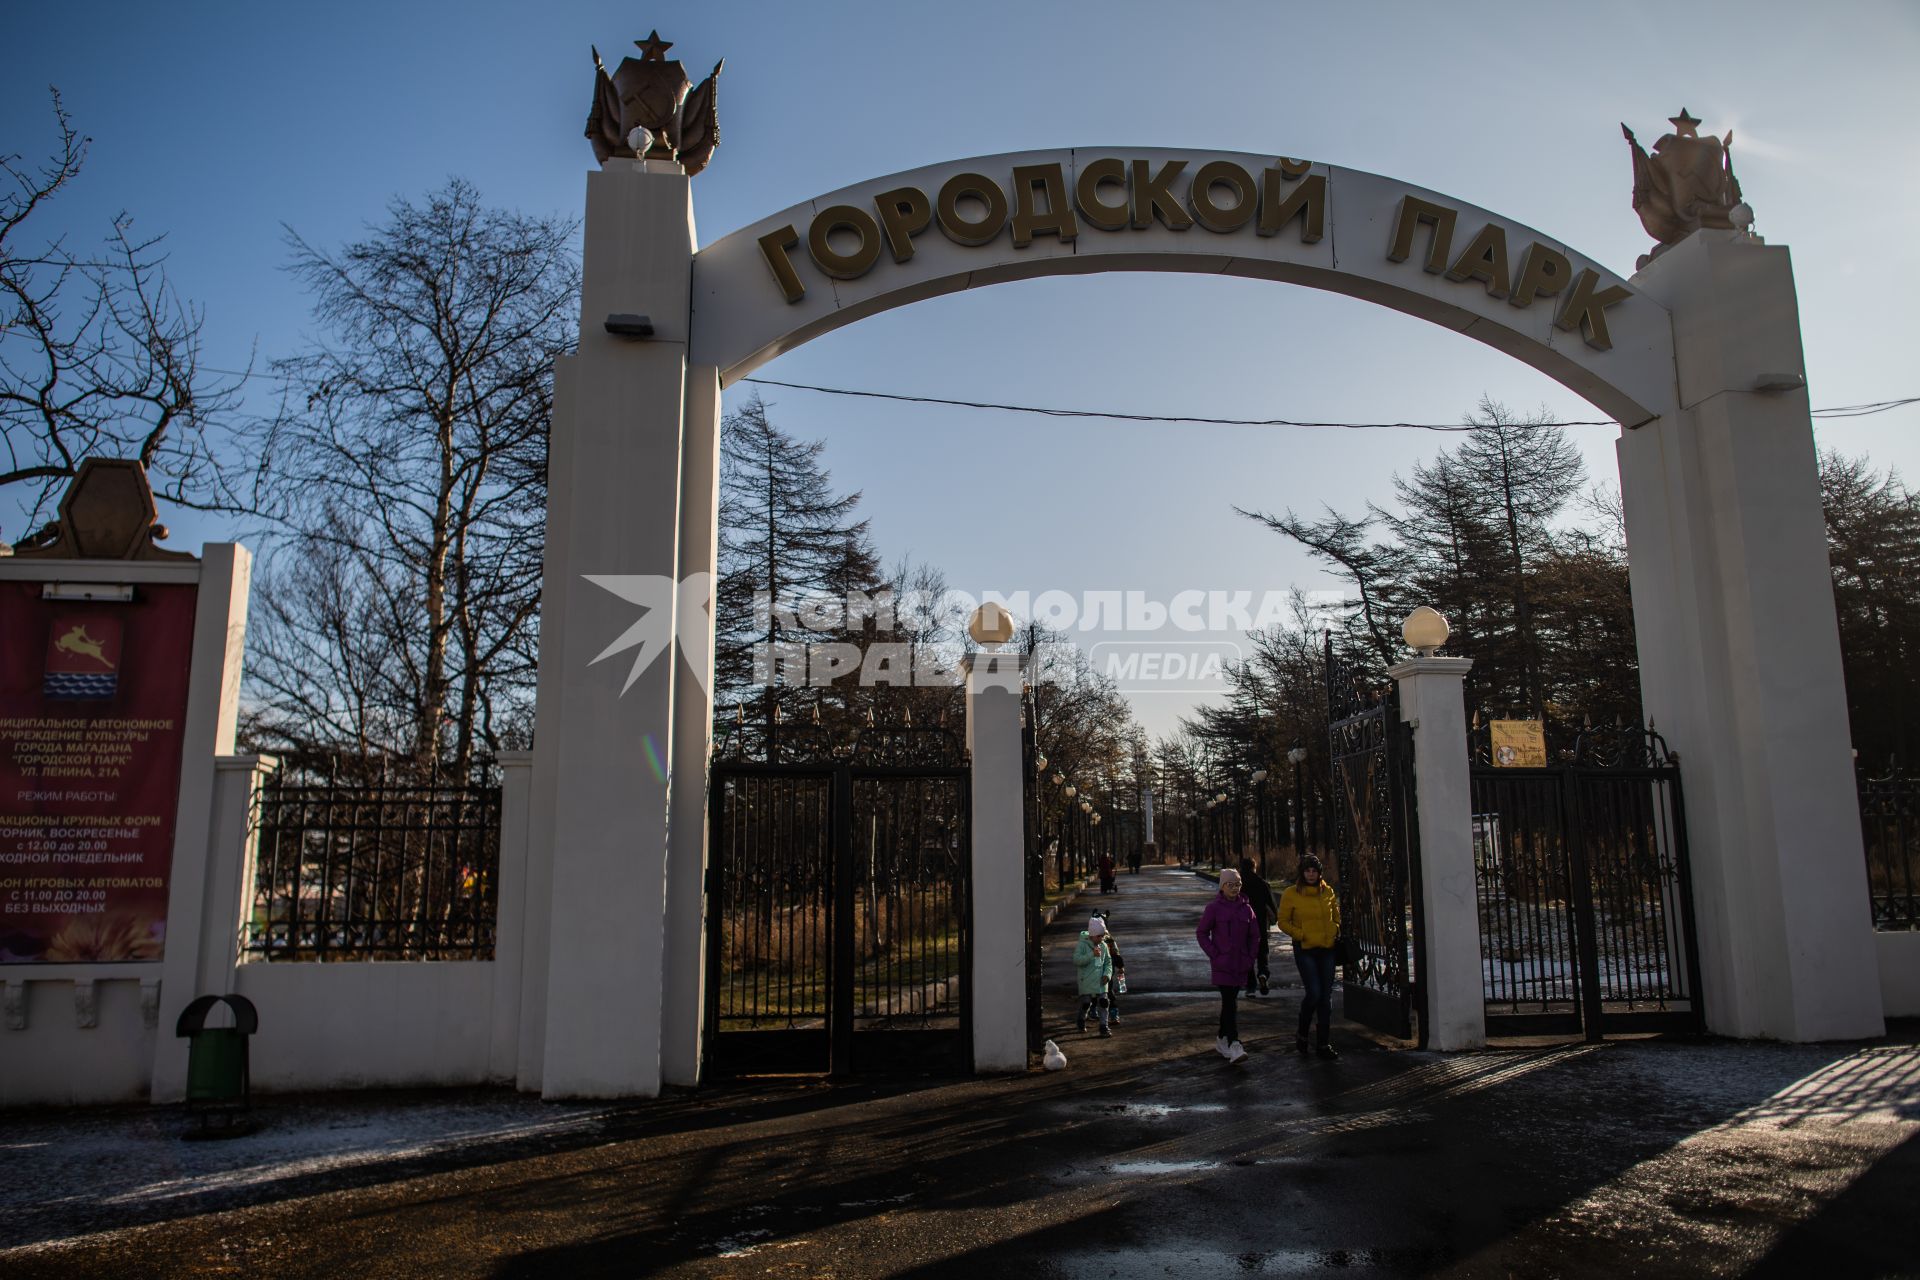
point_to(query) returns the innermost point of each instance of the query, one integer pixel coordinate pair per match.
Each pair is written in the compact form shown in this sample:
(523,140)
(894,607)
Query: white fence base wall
(1899,956)
(54,1060)
(362,1025)
(73,1034)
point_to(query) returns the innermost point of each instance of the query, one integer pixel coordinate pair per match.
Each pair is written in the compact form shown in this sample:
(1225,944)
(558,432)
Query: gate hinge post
(1446,907)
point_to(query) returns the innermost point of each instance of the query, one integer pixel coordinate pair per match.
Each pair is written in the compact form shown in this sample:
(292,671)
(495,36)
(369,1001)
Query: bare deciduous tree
(408,480)
(99,357)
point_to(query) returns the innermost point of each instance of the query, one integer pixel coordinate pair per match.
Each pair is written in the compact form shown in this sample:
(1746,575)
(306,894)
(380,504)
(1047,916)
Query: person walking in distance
(1118,982)
(1228,934)
(1259,895)
(1093,967)
(1310,915)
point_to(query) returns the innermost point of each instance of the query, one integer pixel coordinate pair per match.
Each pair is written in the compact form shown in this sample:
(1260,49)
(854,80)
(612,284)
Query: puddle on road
(1157,1168)
(1168,1168)
(741,1244)
(1279,1262)
(1157,1110)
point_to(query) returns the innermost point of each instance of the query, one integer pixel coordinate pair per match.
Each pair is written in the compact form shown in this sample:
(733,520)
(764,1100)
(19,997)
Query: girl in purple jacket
(1229,933)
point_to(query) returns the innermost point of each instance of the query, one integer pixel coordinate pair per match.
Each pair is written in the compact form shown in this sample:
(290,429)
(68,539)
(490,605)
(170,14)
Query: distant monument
(1686,184)
(649,110)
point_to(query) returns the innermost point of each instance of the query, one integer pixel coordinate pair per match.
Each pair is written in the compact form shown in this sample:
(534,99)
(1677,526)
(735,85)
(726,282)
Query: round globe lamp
(991,625)
(1425,630)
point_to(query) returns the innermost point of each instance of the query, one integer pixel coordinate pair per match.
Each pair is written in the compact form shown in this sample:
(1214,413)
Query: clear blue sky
(218,123)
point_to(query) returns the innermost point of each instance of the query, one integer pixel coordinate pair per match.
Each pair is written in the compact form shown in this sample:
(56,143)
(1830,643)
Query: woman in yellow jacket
(1310,915)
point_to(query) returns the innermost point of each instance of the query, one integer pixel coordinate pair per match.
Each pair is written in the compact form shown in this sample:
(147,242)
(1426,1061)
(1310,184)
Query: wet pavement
(1148,1156)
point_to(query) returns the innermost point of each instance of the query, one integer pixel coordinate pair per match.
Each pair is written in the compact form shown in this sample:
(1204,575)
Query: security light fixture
(623,324)
(108,592)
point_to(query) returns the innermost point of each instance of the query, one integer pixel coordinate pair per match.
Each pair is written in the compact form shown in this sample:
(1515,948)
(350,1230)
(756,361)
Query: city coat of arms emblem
(83,656)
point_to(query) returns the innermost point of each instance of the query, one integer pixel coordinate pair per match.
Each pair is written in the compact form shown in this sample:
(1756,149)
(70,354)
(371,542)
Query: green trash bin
(216,1065)
(217,1072)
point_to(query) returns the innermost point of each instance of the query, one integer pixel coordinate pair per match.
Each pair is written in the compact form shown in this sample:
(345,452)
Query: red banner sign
(93,704)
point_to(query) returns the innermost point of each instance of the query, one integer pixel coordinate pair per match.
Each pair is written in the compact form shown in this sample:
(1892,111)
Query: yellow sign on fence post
(1519,744)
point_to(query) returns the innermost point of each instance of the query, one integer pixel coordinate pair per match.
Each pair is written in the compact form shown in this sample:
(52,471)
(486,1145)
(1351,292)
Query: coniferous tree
(1543,611)
(1873,541)
(790,551)
(1526,472)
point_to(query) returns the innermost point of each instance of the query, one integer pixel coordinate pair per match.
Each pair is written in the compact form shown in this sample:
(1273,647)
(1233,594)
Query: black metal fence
(839,904)
(375,868)
(1585,901)
(1890,827)
(1374,851)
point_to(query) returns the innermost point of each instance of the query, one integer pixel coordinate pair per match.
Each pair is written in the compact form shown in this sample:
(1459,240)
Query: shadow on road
(1148,1154)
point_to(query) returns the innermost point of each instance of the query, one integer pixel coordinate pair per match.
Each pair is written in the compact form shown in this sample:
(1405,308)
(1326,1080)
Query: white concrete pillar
(604,718)
(213,711)
(686,969)
(510,914)
(999,861)
(1433,701)
(1740,655)
(543,786)
(208,957)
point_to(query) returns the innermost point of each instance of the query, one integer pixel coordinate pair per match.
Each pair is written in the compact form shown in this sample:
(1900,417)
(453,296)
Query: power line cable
(1862,410)
(1838,411)
(1842,411)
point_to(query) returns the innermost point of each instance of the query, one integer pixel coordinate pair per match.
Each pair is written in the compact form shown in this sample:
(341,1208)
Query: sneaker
(1220,1046)
(1251,993)
(1106,1032)
(1328,1052)
(1300,1046)
(1081,1026)
(1237,1052)
(1114,1020)
(1263,984)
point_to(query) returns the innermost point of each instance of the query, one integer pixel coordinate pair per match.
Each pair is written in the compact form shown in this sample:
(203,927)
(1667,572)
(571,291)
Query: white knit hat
(1096,927)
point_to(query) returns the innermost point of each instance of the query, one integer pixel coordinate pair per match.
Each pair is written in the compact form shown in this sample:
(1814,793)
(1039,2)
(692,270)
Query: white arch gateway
(1698,356)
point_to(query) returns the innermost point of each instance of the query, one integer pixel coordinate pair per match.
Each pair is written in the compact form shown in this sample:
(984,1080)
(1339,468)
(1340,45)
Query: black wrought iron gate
(1585,898)
(839,914)
(1374,842)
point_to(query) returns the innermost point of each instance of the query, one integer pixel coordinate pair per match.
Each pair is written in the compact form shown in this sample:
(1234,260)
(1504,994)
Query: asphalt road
(1148,1156)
